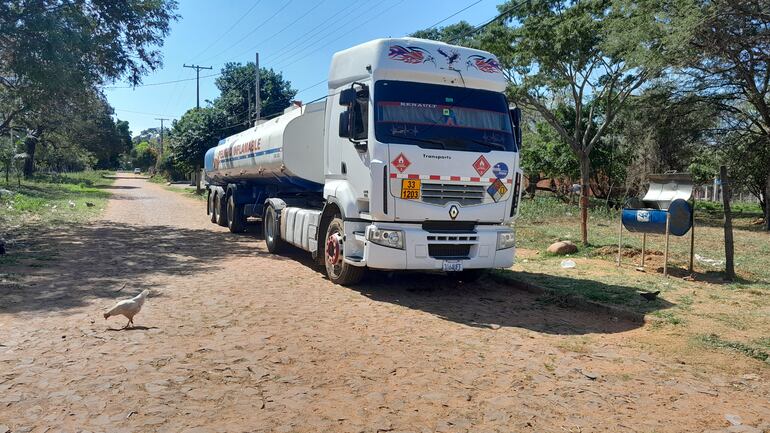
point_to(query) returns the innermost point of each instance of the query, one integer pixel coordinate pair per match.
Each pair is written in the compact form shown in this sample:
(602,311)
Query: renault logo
(453,212)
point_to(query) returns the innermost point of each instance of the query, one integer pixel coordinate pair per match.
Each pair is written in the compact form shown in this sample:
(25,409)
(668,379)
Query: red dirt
(235,339)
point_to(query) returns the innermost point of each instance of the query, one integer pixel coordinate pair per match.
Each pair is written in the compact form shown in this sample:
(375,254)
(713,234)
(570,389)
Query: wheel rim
(334,253)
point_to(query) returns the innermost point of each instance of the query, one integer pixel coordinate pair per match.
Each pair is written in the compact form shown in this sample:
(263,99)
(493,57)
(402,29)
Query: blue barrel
(654,220)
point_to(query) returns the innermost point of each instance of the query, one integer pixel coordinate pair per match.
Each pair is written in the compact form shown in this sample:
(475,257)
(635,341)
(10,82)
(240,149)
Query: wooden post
(620,237)
(644,246)
(692,236)
(729,246)
(665,256)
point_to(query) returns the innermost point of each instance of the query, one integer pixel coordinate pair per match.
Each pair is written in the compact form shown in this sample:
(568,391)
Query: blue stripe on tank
(252,154)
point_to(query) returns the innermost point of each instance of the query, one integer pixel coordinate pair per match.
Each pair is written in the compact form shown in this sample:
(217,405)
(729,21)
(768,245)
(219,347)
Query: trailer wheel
(211,209)
(221,210)
(271,230)
(338,271)
(236,222)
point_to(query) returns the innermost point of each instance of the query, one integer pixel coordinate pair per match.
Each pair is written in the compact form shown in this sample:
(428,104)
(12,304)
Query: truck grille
(443,193)
(449,251)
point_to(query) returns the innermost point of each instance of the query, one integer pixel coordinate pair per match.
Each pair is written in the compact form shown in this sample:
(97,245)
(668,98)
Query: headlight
(387,238)
(505,240)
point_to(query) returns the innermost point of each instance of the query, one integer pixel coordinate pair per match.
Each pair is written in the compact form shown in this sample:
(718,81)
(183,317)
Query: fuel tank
(286,150)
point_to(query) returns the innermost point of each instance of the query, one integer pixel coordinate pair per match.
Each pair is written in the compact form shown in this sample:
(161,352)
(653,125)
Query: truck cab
(421,158)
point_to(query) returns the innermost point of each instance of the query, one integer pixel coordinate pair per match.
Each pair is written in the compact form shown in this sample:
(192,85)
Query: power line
(284,28)
(143,113)
(457,13)
(253,30)
(299,48)
(228,30)
(482,26)
(161,83)
(285,65)
(245,81)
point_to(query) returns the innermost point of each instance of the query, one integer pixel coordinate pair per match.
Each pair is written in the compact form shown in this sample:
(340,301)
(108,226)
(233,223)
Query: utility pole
(161,135)
(258,106)
(197,82)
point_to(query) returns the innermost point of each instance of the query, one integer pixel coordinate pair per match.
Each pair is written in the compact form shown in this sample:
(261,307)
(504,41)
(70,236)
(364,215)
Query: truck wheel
(221,209)
(468,275)
(271,230)
(338,271)
(236,222)
(211,208)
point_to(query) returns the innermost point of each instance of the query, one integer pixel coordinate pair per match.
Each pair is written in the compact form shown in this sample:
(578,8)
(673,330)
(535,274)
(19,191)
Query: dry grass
(700,318)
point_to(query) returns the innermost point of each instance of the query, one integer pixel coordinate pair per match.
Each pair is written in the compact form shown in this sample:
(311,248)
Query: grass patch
(48,200)
(54,198)
(547,219)
(667,317)
(715,341)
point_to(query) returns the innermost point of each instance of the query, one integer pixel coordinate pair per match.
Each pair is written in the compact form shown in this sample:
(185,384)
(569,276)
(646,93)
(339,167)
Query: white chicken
(128,308)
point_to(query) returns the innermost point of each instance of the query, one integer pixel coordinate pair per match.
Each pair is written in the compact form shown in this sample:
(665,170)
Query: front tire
(271,230)
(236,222)
(337,270)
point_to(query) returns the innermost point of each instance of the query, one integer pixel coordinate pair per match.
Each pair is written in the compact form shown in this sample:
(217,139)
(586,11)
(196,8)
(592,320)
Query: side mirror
(347,96)
(516,123)
(344,129)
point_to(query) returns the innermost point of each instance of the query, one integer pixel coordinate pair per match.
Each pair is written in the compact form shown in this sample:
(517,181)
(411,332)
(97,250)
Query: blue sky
(211,33)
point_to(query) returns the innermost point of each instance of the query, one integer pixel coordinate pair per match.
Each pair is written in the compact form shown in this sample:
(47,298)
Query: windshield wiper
(490,144)
(419,140)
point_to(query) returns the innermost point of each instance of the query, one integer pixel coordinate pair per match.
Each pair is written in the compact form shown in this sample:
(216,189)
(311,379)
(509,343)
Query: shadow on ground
(487,304)
(109,260)
(63,268)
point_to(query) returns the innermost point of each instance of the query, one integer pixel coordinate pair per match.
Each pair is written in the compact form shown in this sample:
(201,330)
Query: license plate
(410,189)
(452,266)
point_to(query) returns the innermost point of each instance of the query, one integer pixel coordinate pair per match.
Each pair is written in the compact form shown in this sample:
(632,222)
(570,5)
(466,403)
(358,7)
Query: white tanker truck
(411,162)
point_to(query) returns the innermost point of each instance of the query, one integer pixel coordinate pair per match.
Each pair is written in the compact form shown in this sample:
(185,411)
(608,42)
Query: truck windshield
(442,117)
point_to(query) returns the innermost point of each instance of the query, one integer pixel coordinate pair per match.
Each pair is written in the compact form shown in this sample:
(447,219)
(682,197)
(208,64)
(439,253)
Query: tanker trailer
(411,162)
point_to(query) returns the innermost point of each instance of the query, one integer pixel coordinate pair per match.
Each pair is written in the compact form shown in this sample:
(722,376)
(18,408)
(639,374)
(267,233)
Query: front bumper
(425,250)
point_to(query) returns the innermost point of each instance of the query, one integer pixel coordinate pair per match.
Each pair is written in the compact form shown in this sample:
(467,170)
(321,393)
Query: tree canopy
(237,97)
(56,53)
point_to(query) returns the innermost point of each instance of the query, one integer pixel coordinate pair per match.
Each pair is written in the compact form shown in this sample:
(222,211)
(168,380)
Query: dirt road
(233,339)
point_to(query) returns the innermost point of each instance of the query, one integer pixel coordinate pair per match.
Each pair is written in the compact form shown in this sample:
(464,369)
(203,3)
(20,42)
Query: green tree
(461,33)
(590,55)
(55,50)
(237,97)
(198,130)
(729,62)
(143,155)
(666,129)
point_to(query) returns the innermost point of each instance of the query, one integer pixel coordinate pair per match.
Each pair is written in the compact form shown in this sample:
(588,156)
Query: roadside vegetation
(45,202)
(694,315)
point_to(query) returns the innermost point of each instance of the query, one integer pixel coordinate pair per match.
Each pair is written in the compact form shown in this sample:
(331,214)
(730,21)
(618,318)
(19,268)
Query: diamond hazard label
(481,165)
(401,163)
(497,190)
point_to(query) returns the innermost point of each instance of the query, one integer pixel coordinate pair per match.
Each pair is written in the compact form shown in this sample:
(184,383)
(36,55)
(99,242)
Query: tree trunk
(30,144)
(532,186)
(767,203)
(729,247)
(198,180)
(585,170)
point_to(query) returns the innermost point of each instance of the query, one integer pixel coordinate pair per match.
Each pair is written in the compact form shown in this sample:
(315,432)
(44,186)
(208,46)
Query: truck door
(344,161)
